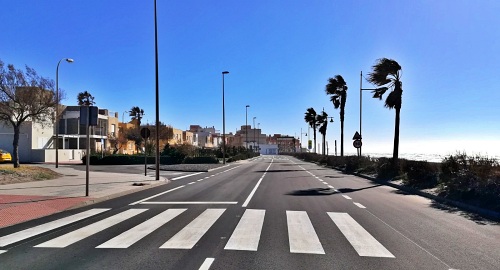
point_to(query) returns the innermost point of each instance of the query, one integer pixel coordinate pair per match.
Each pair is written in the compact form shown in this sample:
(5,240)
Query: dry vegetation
(25,173)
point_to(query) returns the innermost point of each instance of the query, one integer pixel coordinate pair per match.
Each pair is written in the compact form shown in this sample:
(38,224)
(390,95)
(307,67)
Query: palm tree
(337,88)
(136,113)
(387,75)
(323,122)
(85,99)
(311,117)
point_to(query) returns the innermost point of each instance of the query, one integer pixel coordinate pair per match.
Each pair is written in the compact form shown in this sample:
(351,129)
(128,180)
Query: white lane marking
(189,202)
(199,180)
(75,236)
(247,201)
(211,175)
(246,236)
(206,264)
(3,251)
(347,197)
(301,234)
(192,233)
(359,205)
(128,238)
(25,234)
(409,240)
(191,183)
(362,241)
(330,186)
(184,176)
(159,194)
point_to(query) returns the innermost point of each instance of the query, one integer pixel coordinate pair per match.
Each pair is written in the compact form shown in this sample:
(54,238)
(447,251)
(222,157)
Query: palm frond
(379,92)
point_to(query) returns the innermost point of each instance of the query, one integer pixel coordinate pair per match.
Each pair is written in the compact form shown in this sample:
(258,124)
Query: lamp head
(69,60)
(248,106)
(331,120)
(225,72)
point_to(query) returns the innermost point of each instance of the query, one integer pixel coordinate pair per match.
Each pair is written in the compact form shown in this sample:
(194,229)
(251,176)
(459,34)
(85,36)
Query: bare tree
(25,96)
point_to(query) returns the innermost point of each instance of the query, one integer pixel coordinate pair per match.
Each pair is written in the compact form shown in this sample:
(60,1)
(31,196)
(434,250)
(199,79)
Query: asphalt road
(270,213)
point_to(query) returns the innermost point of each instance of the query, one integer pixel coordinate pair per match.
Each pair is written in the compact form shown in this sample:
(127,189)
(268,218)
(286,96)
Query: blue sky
(279,55)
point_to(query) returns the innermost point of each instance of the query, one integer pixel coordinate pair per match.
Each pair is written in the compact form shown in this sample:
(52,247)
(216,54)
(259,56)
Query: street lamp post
(69,60)
(360,103)
(258,139)
(223,121)
(246,126)
(254,133)
(301,138)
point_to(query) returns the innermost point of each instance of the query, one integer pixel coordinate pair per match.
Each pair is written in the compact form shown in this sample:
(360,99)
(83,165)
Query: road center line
(184,176)
(359,205)
(247,201)
(159,194)
(347,197)
(207,263)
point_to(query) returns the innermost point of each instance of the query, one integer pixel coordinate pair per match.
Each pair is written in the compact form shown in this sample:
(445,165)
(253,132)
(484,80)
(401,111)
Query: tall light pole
(223,121)
(258,142)
(301,138)
(254,133)
(157,172)
(246,126)
(69,60)
(360,102)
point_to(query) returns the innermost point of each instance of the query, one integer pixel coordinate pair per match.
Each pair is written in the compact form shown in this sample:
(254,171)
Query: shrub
(421,174)
(200,160)
(386,169)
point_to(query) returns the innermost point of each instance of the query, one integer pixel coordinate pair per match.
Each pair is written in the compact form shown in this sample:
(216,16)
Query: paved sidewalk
(26,201)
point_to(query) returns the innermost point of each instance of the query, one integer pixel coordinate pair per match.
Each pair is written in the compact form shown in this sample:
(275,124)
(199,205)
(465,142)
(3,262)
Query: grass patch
(25,173)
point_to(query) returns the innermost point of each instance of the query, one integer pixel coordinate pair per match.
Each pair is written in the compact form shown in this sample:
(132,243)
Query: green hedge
(200,160)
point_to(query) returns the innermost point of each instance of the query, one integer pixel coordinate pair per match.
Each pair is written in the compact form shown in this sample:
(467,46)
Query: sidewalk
(26,201)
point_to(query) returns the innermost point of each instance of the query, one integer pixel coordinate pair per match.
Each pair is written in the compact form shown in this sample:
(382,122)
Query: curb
(463,206)
(119,194)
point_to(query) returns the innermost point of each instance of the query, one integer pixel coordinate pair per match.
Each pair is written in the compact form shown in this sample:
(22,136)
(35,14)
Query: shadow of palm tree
(313,192)
(349,190)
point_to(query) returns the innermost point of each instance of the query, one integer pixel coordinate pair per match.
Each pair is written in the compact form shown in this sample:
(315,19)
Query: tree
(133,134)
(323,124)
(166,133)
(24,96)
(337,88)
(387,75)
(85,99)
(136,113)
(117,142)
(311,118)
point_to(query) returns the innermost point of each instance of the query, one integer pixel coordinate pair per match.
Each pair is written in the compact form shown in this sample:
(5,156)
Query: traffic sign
(357,136)
(357,143)
(145,133)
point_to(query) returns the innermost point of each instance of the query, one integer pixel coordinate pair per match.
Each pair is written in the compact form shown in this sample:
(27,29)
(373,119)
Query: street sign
(91,111)
(309,144)
(145,133)
(357,136)
(357,143)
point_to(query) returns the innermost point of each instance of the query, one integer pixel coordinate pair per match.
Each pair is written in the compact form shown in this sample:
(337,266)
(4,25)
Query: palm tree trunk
(396,137)
(315,150)
(342,137)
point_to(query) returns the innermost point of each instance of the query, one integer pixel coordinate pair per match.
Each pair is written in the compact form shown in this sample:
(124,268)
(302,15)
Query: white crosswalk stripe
(362,241)
(301,234)
(140,231)
(75,236)
(246,236)
(25,234)
(192,233)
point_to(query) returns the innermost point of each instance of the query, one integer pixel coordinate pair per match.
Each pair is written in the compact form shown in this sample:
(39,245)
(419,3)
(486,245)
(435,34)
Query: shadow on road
(313,192)
(273,171)
(349,190)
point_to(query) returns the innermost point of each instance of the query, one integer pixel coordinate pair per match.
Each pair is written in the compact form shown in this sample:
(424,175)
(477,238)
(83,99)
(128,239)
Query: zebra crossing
(302,237)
